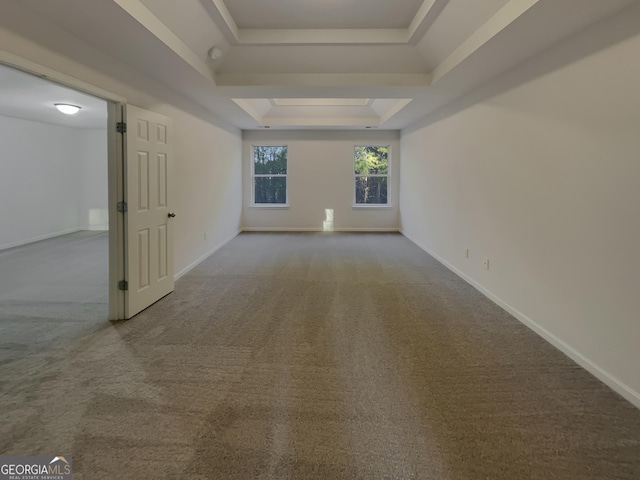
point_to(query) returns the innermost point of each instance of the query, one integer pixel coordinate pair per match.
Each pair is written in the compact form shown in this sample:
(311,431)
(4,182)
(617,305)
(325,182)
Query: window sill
(275,206)
(370,205)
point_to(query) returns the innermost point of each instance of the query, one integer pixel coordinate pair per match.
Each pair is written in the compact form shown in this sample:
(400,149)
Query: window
(270,175)
(371,175)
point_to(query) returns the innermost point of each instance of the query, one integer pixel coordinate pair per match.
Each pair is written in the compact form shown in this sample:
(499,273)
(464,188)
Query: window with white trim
(371,167)
(269,172)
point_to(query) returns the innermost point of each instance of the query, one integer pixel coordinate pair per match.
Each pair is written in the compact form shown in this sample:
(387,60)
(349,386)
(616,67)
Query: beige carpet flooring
(51,290)
(317,356)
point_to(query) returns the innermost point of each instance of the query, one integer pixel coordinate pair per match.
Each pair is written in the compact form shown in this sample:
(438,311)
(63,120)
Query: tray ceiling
(419,55)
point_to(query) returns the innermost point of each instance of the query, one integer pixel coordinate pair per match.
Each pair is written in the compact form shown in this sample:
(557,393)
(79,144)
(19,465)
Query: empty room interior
(321,240)
(53,245)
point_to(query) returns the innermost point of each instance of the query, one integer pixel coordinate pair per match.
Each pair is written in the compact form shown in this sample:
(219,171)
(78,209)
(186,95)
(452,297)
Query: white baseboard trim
(368,230)
(197,262)
(611,381)
(336,230)
(39,238)
(279,229)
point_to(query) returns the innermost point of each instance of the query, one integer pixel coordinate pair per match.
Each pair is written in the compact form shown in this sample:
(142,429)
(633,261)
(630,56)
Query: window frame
(263,175)
(387,176)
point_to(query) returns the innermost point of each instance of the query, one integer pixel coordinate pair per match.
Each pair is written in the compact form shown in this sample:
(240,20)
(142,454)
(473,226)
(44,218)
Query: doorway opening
(54,243)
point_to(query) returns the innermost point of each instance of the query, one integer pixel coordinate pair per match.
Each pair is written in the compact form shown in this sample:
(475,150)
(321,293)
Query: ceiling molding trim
(247,106)
(361,36)
(325,79)
(321,122)
(149,21)
(321,102)
(399,105)
(381,111)
(225,21)
(496,24)
(427,13)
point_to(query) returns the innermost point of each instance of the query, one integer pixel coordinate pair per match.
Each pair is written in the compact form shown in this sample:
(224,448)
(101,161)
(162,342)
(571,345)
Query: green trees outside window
(371,175)
(270,174)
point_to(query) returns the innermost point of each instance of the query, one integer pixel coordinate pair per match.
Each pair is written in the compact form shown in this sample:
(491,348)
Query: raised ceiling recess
(322,112)
(291,22)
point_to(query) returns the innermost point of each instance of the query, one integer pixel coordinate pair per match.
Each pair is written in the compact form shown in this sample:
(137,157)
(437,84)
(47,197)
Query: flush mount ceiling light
(67,109)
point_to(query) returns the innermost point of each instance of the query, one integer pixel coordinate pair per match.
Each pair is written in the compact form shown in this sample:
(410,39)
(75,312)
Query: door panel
(149,158)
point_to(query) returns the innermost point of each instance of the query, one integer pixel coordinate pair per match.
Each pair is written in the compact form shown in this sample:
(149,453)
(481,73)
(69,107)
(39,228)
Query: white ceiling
(422,54)
(28,97)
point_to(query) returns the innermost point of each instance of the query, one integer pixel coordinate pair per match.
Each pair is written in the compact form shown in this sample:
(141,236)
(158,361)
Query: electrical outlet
(487,264)
(205,236)
(466,253)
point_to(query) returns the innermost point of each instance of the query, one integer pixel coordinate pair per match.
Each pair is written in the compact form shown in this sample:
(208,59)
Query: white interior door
(149,225)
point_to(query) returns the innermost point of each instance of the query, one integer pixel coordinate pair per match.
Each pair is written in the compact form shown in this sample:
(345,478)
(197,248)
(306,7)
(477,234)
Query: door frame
(115,175)
(117,227)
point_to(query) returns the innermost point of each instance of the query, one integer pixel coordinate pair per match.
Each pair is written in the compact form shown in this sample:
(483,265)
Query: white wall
(39,181)
(208,184)
(208,151)
(54,178)
(93,185)
(320,176)
(544,180)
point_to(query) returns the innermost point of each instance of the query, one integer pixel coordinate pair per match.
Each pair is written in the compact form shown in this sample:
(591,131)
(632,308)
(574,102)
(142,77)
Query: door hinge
(121,127)
(123,285)
(123,207)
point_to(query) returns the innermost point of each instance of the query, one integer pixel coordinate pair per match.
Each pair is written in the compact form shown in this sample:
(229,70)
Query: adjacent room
(53,188)
(364,239)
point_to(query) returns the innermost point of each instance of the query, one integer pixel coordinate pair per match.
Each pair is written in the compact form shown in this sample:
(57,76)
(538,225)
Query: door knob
(171,215)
